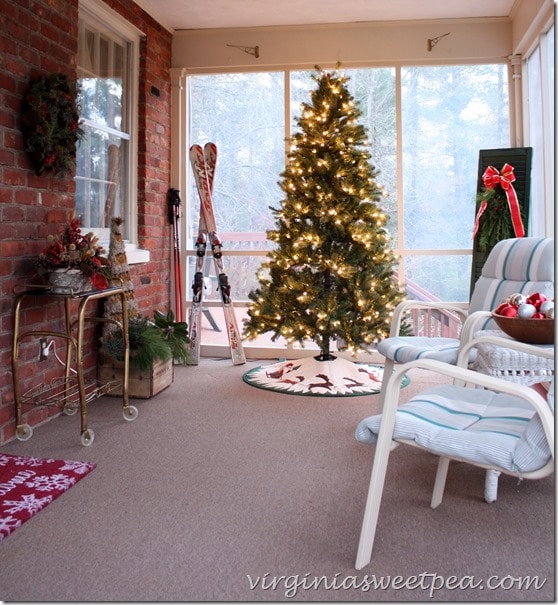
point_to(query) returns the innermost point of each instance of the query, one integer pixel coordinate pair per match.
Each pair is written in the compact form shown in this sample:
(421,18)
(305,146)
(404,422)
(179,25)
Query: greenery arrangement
(161,339)
(498,215)
(50,124)
(73,250)
(330,276)
(496,223)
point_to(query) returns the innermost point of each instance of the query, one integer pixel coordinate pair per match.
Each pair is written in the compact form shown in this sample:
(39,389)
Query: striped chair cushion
(524,265)
(471,424)
(408,348)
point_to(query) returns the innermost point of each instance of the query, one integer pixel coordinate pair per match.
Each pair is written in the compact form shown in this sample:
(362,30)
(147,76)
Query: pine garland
(495,224)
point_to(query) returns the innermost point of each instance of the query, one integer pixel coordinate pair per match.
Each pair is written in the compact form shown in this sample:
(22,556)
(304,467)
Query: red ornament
(506,310)
(539,315)
(536,299)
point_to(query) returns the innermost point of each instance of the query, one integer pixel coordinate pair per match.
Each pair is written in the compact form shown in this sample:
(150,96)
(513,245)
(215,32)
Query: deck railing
(423,322)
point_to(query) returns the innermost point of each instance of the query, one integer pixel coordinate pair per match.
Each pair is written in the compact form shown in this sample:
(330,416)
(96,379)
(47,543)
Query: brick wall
(39,37)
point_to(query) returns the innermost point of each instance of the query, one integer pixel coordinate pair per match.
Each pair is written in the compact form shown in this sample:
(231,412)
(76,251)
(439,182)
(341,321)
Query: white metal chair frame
(462,376)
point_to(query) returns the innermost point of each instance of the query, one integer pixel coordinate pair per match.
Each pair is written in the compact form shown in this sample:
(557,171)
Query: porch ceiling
(190,14)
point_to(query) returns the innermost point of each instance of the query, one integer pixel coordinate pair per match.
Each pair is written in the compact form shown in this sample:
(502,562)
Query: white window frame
(97,13)
(181,103)
(542,213)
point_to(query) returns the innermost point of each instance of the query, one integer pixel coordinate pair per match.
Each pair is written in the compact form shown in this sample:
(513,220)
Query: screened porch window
(426,126)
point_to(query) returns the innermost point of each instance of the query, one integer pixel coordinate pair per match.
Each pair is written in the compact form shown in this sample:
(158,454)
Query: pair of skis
(203,161)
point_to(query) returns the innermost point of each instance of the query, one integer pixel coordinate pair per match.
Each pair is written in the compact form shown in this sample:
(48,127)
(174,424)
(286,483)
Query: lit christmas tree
(330,276)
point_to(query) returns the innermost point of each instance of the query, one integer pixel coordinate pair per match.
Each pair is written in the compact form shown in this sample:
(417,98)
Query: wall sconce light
(249,50)
(433,41)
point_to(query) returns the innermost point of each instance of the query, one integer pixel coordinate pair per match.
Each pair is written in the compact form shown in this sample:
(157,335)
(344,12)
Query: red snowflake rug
(29,484)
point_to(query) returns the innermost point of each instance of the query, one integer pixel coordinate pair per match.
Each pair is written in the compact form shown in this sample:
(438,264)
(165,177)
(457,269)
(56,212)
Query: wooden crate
(141,384)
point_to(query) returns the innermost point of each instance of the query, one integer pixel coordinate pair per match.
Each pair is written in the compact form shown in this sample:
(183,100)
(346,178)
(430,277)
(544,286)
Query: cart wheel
(87,437)
(70,409)
(130,413)
(23,432)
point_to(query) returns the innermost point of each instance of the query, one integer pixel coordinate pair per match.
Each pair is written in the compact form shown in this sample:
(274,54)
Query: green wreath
(495,223)
(51,124)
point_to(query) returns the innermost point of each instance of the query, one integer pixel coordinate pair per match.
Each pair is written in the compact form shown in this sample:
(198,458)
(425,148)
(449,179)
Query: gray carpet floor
(220,491)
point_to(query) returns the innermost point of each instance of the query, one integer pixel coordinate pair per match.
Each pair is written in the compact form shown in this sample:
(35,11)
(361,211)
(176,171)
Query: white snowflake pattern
(7,525)
(5,460)
(32,461)
(29,503)
(46,483)
(81,468)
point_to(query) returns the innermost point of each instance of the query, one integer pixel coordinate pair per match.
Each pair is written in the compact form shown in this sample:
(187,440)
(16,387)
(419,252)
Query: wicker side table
(512,365)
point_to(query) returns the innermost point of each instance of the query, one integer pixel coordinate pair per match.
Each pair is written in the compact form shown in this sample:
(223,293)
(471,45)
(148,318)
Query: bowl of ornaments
(528,319)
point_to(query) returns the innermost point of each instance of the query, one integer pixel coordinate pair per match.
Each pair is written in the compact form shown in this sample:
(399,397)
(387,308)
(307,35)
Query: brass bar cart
(70,392)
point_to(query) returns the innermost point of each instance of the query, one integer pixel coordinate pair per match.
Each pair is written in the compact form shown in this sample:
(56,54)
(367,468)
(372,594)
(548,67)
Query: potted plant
(175,334)
(73,262)
(153,347)
(153,343)
(161,340)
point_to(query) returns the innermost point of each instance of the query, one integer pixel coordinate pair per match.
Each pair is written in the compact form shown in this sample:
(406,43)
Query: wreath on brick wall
(51,124)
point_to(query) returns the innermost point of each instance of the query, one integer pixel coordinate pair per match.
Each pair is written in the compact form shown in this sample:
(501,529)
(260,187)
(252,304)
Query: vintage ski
(203,175)
(198,286)
(197,301)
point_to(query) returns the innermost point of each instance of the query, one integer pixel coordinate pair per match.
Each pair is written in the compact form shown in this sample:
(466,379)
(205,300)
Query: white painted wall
(351,44)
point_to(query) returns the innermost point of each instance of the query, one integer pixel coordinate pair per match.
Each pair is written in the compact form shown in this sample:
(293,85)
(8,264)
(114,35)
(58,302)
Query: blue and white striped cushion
(408,348)
(472,424)
(523,264)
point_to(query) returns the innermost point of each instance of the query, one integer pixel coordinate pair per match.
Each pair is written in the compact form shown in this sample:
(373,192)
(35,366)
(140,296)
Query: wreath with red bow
(498,211)
(51,124)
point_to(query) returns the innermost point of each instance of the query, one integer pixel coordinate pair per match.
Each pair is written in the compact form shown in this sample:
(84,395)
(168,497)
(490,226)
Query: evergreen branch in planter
(158,340)
(175,334)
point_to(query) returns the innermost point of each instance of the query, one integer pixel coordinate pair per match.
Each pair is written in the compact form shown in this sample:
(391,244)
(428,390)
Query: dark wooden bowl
(532,331)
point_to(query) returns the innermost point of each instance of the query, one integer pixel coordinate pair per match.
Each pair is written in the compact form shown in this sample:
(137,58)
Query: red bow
(491,178)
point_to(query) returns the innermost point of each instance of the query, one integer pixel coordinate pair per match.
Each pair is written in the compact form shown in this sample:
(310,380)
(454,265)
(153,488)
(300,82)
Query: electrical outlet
(43,353)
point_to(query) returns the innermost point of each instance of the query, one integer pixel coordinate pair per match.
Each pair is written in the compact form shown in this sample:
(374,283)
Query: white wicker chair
(504,427)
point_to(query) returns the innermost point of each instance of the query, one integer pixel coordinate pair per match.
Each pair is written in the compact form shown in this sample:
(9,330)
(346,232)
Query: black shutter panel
(520,159)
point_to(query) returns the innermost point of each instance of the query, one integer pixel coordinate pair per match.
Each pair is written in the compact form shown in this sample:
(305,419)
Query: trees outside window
(425,125)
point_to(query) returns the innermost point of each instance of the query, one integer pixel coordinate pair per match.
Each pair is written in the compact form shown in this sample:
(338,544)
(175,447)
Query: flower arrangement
(50,124)
(72,250)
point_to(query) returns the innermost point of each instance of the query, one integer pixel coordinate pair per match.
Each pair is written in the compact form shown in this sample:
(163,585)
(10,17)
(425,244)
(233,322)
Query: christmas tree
(330,276)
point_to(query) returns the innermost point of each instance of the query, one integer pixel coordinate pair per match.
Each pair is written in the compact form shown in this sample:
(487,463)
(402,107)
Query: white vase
(68,281)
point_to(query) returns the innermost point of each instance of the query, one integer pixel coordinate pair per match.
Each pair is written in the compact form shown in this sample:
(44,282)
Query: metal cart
(71,391)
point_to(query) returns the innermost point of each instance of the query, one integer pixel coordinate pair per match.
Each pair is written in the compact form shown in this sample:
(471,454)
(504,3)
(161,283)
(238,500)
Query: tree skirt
(29,484)
(335,377)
